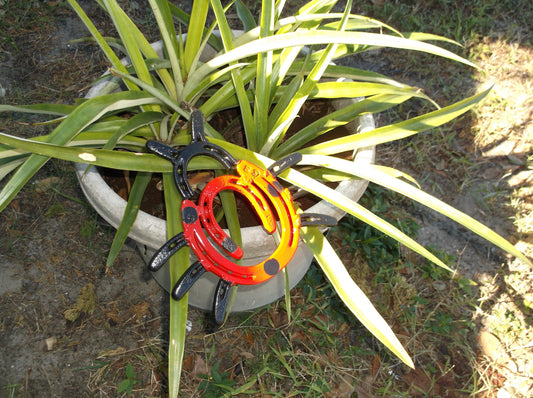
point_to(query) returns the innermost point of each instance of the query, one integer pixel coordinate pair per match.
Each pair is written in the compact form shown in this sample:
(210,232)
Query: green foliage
(379,250)
(127,384)
(87,229)
(217,384)
(318,290)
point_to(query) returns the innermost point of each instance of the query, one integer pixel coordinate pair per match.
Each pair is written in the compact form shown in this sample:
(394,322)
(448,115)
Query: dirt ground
(69,328)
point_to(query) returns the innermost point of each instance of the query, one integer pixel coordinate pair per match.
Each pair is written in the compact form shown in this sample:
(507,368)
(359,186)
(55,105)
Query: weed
(127,384)
(55,210)
(85,304)
(87,229)
(11,389)
(217,384)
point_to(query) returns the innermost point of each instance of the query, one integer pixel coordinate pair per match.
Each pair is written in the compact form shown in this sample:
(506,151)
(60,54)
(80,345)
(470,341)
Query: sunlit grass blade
(359,22)
(358,211)
(97,157)
(44,109)
(159,94)
(280,127)
(281,66)
(316,7)
(178,264)
(289,91)
(102,43)
(130,215)
(378,176)
(185,19)
(7,166)
(347,89)
(317,37)
(263,77)
(136,45)
(92,139)
(237,79)
(213,79)
(354,298)
(280,4)
(165,23)
(348,72)
(335,119)
(398,130)
(218,100)
(429,37)
(123,25)
(135,122)
(195,32)
(102,157)
(78,119)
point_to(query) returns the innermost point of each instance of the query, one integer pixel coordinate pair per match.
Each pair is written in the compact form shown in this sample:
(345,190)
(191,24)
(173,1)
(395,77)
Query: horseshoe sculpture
(208,241)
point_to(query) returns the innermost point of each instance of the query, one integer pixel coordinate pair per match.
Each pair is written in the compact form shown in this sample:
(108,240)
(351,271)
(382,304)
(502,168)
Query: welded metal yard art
(215,250)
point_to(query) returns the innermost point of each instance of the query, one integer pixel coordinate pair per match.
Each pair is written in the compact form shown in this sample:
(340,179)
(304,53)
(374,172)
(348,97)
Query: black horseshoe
(220,303)
(199,146)
(188,279)
(320,220)
(284,163)
(166,251)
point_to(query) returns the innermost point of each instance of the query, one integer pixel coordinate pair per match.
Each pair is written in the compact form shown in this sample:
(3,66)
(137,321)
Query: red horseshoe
(254,183)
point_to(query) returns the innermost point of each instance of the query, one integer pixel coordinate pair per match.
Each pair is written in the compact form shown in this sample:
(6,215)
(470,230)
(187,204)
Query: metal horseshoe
(201,230)
(199,146)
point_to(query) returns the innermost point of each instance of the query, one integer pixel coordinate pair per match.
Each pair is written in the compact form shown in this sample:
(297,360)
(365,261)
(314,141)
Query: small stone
(506,392)
(50,343)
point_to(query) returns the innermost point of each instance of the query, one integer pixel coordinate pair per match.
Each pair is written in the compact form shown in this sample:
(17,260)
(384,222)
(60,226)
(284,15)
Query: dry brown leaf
(493,349)
(247,355)
(249,337)
(490,345)
(341,390)
(111,353)
(376,364)
(200,178)
(200,367)
(85,303)
(140,310)
(298,336)
(15,205)
(420,384)
(114,316)
(277,317)
(46,183)
(188,363)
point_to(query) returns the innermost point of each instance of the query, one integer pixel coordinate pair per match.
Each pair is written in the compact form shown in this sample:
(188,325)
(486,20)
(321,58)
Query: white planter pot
(150,232)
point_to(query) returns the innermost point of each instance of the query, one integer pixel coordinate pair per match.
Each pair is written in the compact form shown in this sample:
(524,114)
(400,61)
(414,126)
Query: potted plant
(149,231)
(269,72)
